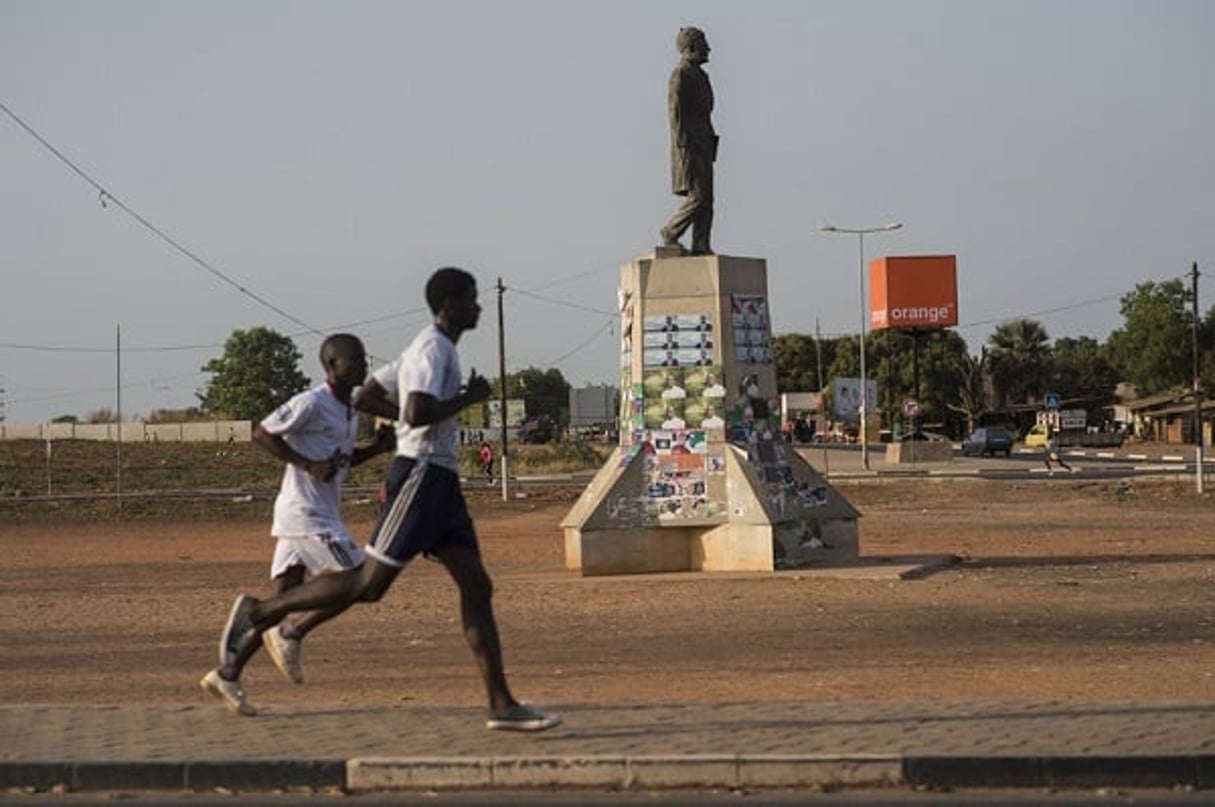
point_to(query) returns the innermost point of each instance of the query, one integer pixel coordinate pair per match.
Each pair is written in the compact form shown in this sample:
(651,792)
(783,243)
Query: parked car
(988,441)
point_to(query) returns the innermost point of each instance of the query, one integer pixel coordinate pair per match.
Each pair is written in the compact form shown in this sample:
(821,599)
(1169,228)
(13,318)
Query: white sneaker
(239,624)
(522,717)
(285,653)
(229,692)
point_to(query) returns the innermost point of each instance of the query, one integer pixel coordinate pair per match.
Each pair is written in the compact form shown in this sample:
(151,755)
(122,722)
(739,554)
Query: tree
(1081,372)
(972,387)
(1152,348)
(1020,361)
(101,415)
(796,359)
(544,392)
(258,371)
(895,365)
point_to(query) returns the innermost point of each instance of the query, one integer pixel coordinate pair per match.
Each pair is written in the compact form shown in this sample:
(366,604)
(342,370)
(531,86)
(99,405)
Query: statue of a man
(693,142)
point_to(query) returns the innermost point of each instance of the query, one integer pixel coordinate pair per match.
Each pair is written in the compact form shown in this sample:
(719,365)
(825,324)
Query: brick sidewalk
(198,747)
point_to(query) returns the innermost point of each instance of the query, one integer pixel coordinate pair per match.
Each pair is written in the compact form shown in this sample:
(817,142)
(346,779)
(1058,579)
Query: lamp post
(864,406)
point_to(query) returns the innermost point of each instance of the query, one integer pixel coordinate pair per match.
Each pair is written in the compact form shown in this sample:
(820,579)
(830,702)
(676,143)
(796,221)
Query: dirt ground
(1067,590)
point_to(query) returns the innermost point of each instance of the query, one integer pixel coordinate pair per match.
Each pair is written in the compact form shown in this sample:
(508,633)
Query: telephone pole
(1197,376)
(502,388)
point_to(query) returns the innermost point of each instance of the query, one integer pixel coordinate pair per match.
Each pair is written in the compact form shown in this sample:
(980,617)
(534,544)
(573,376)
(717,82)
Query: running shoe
(239,625)
(522,717)
(285,653)
(227,691)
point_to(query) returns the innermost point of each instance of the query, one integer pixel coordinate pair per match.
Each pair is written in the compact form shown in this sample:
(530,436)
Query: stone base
(607,531)
(915,451)
(702,480)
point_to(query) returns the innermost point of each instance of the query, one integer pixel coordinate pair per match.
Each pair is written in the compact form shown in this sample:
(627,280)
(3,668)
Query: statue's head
(692,44)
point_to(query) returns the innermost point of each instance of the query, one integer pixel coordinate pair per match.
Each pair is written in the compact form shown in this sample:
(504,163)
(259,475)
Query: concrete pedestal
(702,479)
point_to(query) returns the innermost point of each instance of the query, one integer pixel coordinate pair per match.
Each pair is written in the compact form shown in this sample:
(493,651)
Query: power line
(566,303)
(606,325)
(106,197)
(1045,312)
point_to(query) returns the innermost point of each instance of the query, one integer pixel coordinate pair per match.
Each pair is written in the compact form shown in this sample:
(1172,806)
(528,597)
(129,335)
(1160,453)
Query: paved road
(622,746)
(845,462)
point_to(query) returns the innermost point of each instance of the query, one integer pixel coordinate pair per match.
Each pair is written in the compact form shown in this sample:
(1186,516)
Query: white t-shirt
(318,426)
(430,365)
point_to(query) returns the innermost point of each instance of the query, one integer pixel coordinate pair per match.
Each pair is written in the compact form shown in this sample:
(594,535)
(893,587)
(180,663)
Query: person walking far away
(486,455)
(422,508)
(313,434)
(693,143)
(1052,452)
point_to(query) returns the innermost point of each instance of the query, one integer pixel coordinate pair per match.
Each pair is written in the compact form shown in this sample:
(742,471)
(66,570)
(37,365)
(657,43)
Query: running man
(1052,452)
(313,434)
(423,509)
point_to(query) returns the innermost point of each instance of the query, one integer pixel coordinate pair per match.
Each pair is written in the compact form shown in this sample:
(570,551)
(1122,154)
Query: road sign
(911,408)
(1051,400)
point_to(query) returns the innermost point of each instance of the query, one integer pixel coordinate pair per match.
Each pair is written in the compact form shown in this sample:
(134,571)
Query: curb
(608,772)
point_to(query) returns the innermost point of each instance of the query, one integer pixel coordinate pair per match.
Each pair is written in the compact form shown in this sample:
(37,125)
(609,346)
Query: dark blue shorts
(421,509)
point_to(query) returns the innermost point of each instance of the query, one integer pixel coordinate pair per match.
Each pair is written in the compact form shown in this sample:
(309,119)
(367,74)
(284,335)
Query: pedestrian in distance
(422,508)
(1052,453)
(486,455)
(314,436)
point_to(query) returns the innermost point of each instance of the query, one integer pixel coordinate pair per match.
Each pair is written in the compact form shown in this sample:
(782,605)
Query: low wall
(913,451)
(208,431)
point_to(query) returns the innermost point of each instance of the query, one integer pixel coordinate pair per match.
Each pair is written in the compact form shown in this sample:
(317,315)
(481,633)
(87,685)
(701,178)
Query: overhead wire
(106,197)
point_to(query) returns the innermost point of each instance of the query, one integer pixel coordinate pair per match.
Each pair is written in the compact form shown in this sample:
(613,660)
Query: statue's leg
(702,220)
(680,221)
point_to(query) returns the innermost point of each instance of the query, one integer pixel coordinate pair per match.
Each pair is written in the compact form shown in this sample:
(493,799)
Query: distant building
(593,405)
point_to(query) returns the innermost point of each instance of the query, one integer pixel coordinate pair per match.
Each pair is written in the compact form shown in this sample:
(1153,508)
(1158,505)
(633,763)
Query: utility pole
(502,388)
(118,413)
(1197,377)
(818,354)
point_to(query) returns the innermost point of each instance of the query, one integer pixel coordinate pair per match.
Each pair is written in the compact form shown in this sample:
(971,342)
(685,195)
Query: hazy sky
(327,156)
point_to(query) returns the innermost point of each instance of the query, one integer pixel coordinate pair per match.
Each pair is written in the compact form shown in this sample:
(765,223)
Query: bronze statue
(693,142)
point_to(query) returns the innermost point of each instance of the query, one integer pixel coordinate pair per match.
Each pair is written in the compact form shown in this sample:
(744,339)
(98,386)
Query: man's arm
(422,409)
(373,399)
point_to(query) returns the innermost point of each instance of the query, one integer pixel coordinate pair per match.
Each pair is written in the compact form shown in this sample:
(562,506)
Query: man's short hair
(446,283)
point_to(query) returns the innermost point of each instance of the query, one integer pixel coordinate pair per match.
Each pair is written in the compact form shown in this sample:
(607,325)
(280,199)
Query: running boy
(423,509)
(314,435)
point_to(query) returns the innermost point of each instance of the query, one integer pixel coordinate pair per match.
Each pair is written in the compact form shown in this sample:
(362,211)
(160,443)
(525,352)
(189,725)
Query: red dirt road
(1070,590)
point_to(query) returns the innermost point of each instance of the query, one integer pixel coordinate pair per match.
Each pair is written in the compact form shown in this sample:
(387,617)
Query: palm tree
(1020,361)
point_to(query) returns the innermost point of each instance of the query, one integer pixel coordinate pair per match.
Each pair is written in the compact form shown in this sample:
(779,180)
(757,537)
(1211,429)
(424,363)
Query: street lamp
(864,407)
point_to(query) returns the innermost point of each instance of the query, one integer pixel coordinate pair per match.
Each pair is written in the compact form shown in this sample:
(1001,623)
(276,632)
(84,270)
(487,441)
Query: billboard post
(914,294)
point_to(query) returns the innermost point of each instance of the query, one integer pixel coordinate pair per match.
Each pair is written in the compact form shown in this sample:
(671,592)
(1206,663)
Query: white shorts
(324,552)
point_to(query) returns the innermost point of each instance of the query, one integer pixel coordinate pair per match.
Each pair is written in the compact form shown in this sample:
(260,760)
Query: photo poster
(632,407)
(684,482)
(677,340)
(749,313)
(626,328)
(684,398)
(768,455)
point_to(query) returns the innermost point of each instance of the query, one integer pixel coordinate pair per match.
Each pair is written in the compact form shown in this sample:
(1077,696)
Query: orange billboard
(913,292)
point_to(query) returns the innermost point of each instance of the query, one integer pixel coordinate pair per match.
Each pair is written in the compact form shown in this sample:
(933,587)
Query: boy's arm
(385,440)
(278,448)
